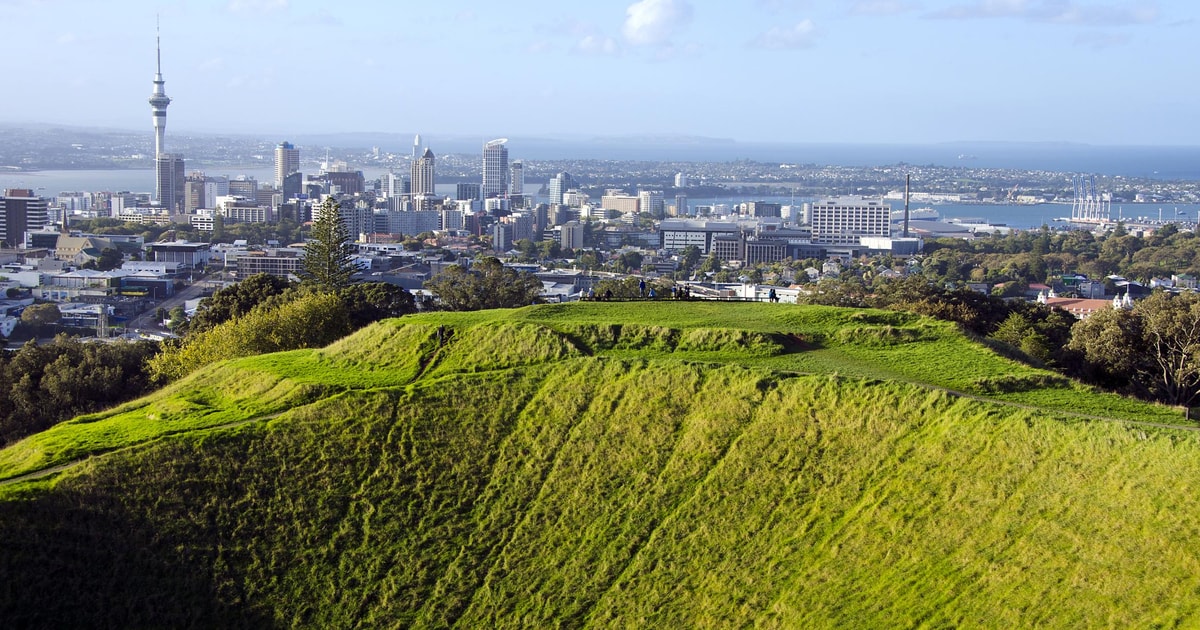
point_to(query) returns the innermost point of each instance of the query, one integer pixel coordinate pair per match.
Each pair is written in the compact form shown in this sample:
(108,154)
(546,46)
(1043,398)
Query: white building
(845,220)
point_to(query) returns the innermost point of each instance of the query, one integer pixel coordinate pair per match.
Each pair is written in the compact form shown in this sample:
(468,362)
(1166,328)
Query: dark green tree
(41,315)
(689,257)
(328,253)
(369,302)
(237,300)
(488,284)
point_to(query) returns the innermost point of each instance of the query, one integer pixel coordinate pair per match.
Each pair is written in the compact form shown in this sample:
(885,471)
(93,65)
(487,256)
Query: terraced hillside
(695,465)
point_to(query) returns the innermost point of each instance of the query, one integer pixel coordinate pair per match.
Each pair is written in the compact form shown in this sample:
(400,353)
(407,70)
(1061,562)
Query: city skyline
(1108,73)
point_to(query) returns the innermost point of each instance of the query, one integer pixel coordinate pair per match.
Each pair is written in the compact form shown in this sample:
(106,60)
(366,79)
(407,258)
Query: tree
(370,302)
(628,262)
(488,284)
(328,253)
(42,385)
(1018,332)
(1172,329)
(689,257)
(178,317)
(1151,351)
(237,300)
(313,320)
(41,315)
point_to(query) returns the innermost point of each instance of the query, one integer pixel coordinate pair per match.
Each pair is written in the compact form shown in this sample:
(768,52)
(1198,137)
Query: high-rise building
(287,161)
(158,107)
(193,192)
(651,201)
(422,174)
(395,186)
(571,235)
(20,212)
(170,179)
(516,179)
(844,220)
(617,201)
(243,186)
(466,191)
(495,169)
(560,184)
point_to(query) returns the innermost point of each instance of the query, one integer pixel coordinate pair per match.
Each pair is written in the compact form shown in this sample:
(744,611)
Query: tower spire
(158,47)
(158,107)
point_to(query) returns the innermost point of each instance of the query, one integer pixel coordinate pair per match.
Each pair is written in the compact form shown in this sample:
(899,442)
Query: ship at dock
(916,214)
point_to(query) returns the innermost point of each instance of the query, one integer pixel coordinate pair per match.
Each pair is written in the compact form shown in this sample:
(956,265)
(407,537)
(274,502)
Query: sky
(1115,72)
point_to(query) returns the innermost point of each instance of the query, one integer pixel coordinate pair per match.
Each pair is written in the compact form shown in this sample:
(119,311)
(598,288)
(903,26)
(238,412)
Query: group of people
(645,293)
(677,293)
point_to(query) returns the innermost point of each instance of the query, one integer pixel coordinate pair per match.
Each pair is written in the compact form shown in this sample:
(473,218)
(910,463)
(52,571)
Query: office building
(243,186)
(466,191)
(571,235)
(845,220)
(193,192)
(559,185)
(339,179)
(21,212)
(171,178)
(761,209)
(395,186)
(423,175)
(652,201)
(516,183)
(618,201)
(681,205)
(495,169)
(287,161)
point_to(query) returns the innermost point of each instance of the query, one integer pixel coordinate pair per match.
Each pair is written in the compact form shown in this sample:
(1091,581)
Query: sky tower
(159,100)
(164,169)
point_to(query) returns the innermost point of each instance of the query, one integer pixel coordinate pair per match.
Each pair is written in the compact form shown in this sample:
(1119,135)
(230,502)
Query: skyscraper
(170,180)
(560,184)
(20,212)
(158,106)
(287,161)
(516,178)
(495,169)
(422,174)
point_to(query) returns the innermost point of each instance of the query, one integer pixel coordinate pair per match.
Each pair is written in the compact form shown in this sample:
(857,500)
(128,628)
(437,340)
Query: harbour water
(51,183)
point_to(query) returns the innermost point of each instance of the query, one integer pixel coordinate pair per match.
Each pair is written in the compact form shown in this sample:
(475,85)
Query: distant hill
(630,465)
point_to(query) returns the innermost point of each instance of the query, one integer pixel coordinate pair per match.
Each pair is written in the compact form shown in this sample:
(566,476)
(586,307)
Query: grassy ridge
(549,467)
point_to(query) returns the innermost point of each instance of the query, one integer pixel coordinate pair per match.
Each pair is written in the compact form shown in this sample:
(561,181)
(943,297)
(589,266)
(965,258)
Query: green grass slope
(711,465)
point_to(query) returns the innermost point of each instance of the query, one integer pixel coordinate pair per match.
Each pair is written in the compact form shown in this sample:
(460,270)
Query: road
(190,292)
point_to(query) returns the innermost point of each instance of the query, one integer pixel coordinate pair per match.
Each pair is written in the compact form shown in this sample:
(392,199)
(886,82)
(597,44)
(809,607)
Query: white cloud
(801,35)
(597,45)
(880,7)
(65,38)
(1056,11)
(780,6)
(258,6)
(655,22)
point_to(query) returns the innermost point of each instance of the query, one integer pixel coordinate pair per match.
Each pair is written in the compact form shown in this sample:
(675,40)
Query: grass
(707,466)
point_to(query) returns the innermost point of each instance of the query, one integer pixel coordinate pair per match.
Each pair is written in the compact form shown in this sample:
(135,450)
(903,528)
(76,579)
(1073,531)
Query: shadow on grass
(73,561)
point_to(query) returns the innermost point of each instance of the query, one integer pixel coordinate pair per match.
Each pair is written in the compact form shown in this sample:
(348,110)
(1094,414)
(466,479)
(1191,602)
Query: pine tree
(328,253)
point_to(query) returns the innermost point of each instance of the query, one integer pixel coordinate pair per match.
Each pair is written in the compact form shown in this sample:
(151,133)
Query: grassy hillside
(709,465)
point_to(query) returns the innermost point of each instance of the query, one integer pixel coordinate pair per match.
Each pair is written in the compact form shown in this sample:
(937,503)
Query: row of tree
(42,385)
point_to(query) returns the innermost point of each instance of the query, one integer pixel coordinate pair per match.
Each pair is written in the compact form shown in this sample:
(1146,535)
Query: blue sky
(865,71)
